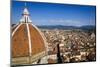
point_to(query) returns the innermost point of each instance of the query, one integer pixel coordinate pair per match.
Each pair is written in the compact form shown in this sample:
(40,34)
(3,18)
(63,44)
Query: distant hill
(13,25)
(88,27)
(62,27)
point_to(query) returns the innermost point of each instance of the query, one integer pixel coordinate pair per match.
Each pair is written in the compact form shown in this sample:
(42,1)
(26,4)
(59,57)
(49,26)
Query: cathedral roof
(28,42)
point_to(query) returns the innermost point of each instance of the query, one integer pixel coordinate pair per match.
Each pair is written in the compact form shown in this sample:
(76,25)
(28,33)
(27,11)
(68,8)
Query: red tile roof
(20,41)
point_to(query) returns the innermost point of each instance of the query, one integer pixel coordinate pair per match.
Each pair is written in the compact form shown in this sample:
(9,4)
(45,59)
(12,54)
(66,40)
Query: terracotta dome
(28,42)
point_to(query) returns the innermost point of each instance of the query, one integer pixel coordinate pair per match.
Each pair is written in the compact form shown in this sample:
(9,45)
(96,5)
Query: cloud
(68,22)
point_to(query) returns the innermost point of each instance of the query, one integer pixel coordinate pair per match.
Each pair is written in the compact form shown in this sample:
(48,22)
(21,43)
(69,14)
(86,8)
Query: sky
(54,14)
